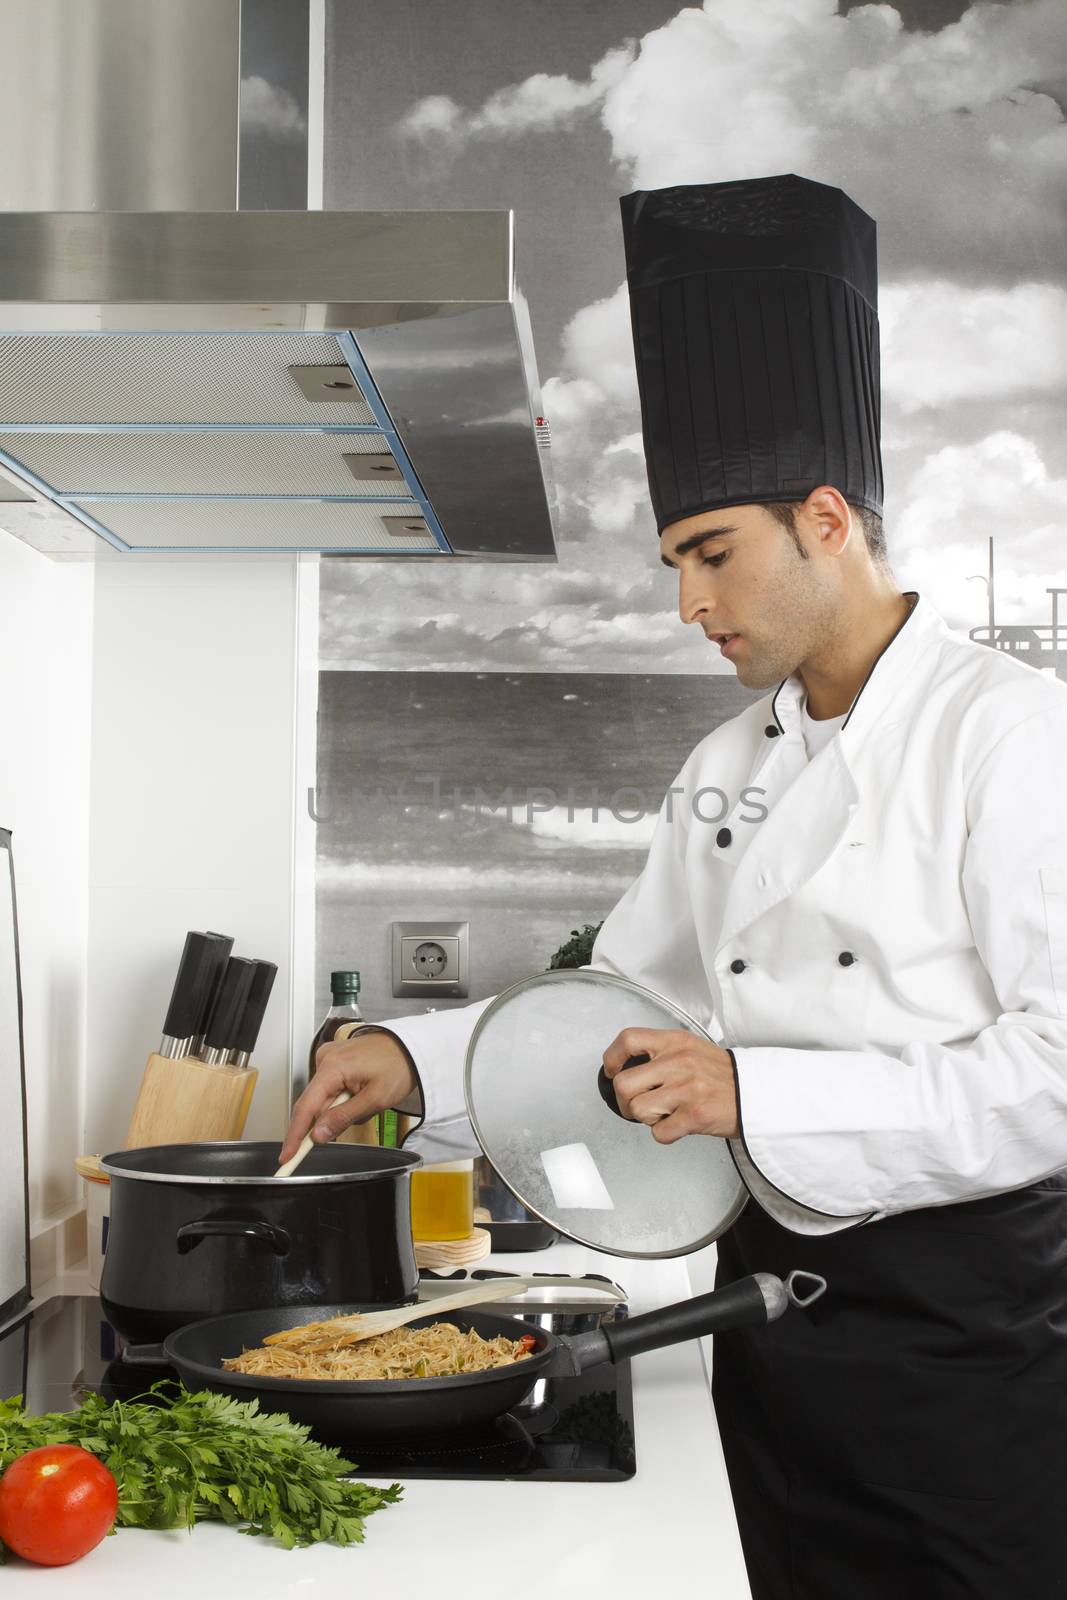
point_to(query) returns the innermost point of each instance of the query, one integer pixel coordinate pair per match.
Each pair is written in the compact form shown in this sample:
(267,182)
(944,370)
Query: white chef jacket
(877,933)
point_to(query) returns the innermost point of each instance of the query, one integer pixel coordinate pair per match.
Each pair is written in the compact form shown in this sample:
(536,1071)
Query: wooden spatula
(287,1168)
(338,1331)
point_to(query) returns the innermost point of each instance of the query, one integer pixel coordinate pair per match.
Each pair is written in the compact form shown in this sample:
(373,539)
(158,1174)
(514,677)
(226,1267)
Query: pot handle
(190,1234)
(750,1302)
(144,1355)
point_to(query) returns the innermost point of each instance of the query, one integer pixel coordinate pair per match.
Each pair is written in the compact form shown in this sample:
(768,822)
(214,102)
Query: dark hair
(785,512)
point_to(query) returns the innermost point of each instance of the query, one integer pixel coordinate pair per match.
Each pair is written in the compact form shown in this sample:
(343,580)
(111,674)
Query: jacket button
(846,958)
(737,966)
(771,732)
(723,837)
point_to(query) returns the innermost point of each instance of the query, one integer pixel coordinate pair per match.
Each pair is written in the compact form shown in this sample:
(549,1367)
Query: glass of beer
(442,1201)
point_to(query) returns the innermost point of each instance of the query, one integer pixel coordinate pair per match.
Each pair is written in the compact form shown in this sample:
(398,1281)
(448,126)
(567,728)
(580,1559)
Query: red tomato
(56,1504)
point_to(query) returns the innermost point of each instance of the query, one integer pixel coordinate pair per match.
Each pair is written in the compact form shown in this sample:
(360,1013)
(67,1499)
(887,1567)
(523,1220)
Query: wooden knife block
(188,1102)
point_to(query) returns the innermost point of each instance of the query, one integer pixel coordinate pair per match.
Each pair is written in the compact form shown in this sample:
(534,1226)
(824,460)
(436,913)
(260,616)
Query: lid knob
(607,1087)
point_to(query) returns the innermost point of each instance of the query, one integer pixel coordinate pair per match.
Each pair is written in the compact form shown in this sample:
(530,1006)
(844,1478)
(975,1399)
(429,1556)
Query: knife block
(188,1102)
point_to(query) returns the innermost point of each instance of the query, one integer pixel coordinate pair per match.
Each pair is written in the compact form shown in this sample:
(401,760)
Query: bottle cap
(344,983)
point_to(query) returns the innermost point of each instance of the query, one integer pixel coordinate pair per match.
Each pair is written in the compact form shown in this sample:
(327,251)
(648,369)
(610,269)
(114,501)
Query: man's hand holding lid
(686,1086)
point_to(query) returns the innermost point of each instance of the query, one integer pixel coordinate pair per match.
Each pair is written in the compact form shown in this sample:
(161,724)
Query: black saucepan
(200,1230)
(406,1406)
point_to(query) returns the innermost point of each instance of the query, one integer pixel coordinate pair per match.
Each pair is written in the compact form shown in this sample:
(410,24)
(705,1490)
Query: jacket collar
(808,822)
(894,678)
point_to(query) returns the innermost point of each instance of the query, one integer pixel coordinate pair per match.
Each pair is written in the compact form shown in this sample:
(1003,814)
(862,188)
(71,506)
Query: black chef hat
(755,324)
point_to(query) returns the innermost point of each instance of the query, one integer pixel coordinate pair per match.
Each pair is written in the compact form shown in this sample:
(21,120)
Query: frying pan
(401,1407)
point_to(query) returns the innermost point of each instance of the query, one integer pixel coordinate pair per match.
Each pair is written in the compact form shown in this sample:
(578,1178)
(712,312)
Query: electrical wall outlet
(431,959)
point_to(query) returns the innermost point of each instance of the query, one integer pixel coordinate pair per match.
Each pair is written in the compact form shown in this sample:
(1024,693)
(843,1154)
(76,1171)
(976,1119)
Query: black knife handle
(202,960)
(224,944)
(229,1004)
(606,1085)
(251,1018)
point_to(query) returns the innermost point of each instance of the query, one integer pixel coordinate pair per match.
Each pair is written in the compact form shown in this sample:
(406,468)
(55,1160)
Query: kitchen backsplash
(522,802)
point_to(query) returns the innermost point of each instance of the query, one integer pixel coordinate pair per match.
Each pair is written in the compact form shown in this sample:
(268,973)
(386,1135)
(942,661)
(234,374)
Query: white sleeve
(437,1044)
(852,1135)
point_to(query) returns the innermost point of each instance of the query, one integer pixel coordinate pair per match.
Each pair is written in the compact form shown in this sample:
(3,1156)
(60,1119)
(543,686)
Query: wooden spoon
(287,1168)
(362,1325)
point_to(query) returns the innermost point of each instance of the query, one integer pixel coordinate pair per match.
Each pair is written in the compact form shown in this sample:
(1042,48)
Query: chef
(858,886)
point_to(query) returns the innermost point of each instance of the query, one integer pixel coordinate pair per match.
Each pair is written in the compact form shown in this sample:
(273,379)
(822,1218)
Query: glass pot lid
(536,1107)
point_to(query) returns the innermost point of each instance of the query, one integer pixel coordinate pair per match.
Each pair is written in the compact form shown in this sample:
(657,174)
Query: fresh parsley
(183,1458)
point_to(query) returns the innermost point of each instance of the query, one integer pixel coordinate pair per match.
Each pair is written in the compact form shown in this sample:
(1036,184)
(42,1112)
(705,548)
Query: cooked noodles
(438,1351)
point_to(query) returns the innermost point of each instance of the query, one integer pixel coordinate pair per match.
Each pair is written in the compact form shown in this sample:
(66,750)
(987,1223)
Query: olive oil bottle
(344,990)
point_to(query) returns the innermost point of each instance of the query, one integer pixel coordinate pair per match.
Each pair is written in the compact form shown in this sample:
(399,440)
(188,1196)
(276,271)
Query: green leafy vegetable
(578,950)
(191,1457)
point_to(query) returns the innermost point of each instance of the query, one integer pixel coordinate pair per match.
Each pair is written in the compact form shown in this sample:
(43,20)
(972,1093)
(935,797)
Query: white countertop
(672,1522)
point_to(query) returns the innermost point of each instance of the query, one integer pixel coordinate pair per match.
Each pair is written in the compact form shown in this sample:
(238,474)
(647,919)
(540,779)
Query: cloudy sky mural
(574,689)
(945,122)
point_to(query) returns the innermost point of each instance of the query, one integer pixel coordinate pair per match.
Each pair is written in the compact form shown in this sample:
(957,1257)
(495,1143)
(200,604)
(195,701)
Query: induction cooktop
(577,1429)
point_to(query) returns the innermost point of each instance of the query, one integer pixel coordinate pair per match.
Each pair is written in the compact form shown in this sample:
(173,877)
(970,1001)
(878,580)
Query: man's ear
(828,517)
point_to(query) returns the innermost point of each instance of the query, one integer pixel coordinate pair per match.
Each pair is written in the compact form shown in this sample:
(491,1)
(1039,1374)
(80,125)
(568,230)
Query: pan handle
(750,1302)
(190,1234)
(144,1355)
(804,1298)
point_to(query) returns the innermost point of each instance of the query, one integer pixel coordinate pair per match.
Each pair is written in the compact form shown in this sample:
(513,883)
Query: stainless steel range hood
(210,380)
(357,383)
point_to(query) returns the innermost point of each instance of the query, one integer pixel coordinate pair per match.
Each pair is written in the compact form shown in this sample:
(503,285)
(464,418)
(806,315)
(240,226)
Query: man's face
(739,571)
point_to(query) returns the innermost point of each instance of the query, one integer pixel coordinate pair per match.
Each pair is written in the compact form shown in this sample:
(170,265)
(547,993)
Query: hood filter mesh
(215,418)
(116,378)
(201,463)
(256,525)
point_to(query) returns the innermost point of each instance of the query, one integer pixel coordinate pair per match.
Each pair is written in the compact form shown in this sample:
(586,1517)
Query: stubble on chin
(756,672)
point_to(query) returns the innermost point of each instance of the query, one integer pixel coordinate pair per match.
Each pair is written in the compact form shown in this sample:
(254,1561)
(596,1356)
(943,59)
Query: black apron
(905,1438)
